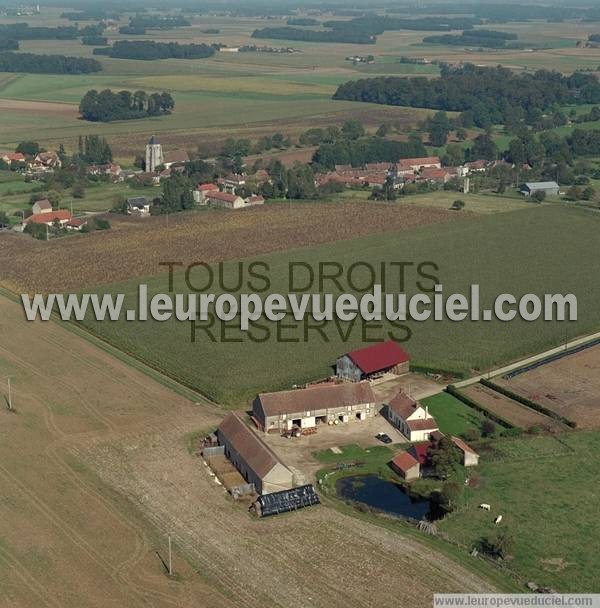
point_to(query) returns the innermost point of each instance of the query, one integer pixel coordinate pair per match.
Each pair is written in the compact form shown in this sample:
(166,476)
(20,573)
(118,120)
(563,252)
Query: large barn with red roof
(372,361)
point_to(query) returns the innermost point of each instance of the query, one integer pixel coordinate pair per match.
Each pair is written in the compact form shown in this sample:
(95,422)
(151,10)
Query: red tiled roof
(15,156)
(177,156)
(404,461)
(77,222)
(223,196)
(320,396)
(426,160)
(379,356)
(207,187)
(423,424)
(45,218)
(419,451)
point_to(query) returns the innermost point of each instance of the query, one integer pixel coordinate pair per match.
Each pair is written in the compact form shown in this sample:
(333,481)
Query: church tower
(154,154)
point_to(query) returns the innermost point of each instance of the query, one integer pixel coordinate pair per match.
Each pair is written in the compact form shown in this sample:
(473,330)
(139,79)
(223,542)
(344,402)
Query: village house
(41,206)
(405,465)
(113,170)
(47,161)
(477,166)
(138,205)
(232,182)
(307,408)
(13,157)
(469,457)
(411,418)
(373,361)
(417,164)
(437,176)
(225,200)
(175,157)
(60,217)
(255,199)
(256,462)
(76,224)
(202,190)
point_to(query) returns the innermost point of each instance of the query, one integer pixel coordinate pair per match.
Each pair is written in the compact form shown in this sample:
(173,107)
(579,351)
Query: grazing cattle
(498,519)
(484,506)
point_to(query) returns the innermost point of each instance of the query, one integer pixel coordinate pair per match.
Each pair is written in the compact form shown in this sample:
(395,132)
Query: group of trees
(308,35)
(150,50)
(22,31)
(486,96)
(47,64)
(481,38)
(302,21)
(357,152)
(94,150)
(9,45)
(106,106)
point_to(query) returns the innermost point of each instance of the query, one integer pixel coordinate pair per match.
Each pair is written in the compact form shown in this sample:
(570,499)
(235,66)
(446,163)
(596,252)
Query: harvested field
(95,470)
(569,386)
(134,247)
(510,410)
(48,108)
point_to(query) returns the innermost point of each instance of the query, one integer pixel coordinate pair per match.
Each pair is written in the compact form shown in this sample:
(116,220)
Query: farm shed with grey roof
(257,463)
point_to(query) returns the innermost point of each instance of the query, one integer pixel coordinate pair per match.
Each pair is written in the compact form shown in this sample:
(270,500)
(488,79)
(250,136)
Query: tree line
(149,50)
(481,38)
(9,45)
(23,31)
(306,35)
(106,106)
(489,95)
(47,64)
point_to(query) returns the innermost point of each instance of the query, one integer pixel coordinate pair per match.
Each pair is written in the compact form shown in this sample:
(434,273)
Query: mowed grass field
(548,249)
(546,491)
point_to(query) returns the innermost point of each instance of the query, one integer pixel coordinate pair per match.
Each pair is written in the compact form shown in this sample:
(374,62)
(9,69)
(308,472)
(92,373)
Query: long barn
(309,407)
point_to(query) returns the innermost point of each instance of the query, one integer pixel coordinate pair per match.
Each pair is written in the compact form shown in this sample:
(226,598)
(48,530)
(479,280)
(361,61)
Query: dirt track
(95,472)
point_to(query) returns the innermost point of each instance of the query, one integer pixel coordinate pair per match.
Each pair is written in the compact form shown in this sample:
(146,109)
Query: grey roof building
(549,188)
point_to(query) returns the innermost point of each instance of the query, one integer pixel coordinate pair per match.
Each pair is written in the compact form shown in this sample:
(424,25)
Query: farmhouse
(138,205)
(411,418)
(548,188)
(60,216)
(202,190)
(319,404)
(373,361)
(252,458)
(76,223)
(175,157)
(469,457)
(225,200)
(13,157)
(42,206)
(47,161)
(427,162)
(232,182)
(406,466)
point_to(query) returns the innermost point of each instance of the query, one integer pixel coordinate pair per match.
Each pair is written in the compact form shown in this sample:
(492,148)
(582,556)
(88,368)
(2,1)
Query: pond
(382,495)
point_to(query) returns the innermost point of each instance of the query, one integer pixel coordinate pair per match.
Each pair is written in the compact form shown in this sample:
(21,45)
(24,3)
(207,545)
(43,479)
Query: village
(250,186)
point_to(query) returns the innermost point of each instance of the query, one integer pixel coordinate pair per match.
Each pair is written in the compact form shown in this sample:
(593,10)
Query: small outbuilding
(406,466)
(469,457)
(373,361)
(548,188)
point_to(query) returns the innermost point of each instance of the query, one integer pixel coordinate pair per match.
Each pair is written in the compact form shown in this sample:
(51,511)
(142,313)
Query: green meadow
(534,250)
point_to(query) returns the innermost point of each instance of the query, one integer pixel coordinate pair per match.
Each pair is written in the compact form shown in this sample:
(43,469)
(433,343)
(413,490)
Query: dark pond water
(382,495)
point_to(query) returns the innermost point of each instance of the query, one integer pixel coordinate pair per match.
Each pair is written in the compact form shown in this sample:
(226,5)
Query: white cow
(498,519)
(484,506)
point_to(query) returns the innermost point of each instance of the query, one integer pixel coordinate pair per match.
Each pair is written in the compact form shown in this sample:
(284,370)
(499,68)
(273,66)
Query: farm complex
(298,303)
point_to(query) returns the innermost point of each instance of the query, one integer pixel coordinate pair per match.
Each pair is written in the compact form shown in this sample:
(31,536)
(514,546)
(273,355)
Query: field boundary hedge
(527,402)
(452,390)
